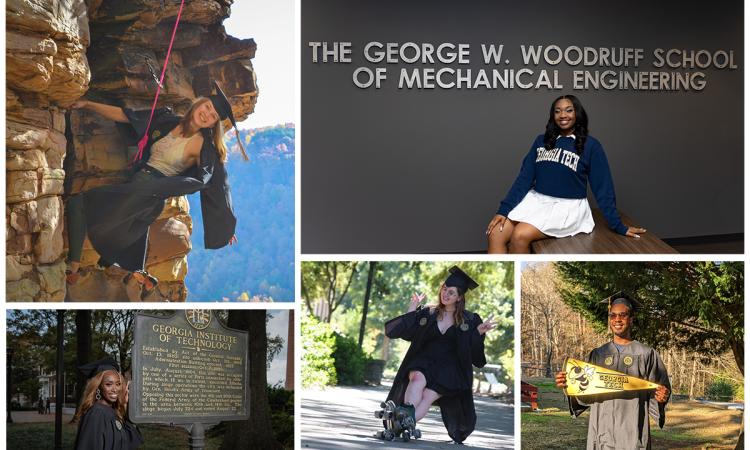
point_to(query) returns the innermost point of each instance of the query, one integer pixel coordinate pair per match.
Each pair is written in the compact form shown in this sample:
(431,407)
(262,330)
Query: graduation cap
(459,279)
(621,298)
(93,368)
(224,109)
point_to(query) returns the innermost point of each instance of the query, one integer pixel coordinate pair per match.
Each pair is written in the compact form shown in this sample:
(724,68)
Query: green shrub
(349,360)
(281,402)
(721,389)
(318,345)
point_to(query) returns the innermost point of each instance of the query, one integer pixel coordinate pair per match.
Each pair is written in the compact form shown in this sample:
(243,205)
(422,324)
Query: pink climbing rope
(144,139)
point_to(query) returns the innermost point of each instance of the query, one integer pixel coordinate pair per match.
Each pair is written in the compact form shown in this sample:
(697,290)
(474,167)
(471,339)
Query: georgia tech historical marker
(188,368)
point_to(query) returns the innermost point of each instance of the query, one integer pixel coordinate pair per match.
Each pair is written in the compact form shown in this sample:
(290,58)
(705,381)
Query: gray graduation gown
(620,421)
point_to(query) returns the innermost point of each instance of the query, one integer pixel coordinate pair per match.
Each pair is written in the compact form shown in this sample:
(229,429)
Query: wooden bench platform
(604,240)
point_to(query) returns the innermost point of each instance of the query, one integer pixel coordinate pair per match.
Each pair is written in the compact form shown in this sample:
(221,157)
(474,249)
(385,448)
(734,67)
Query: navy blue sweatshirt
(562,173)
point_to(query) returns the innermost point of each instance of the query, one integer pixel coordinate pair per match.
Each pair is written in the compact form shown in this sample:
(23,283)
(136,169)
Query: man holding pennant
(623,381)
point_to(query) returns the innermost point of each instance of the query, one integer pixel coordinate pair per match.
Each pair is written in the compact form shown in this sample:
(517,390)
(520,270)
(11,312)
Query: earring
(98,394)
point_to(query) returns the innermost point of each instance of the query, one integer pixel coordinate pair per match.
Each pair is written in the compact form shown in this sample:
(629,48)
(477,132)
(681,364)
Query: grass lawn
(689,425)
(41,436)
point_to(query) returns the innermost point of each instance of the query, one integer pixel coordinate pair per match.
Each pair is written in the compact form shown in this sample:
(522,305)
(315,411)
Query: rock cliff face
(59,50)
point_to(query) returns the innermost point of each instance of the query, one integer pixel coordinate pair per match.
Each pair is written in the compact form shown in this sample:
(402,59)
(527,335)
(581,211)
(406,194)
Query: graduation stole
(159,84)
(586,379)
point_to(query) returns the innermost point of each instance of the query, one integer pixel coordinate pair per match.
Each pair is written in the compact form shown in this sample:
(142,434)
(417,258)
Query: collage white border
(378,257)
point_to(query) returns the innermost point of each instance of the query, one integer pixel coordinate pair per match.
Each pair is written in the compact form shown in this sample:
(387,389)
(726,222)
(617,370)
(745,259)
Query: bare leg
(523,235)
(417,383)
(498,240)
(428,398)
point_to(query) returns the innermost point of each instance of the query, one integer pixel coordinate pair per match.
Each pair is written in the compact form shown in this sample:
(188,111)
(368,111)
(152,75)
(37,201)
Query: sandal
(148,279)
(71,278)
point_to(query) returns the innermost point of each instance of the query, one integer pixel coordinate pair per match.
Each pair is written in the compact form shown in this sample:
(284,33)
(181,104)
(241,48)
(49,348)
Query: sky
(278,325)
(271,24)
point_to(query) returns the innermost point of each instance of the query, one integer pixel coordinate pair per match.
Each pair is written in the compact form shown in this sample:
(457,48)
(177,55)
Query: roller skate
(399,422)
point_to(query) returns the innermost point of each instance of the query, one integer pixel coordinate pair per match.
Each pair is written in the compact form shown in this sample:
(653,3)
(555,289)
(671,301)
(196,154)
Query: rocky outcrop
(46,67)
(59,50)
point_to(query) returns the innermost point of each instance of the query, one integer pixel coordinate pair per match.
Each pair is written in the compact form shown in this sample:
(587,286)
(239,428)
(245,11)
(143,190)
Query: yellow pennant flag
(585,378)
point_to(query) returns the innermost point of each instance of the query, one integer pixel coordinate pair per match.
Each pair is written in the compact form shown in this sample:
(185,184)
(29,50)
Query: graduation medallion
(155,134)
(118,424)
(608,361)
(423,321)
(628,360)
(464,327)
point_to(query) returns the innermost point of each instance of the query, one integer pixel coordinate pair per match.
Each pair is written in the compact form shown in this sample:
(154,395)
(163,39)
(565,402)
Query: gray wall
(413,171)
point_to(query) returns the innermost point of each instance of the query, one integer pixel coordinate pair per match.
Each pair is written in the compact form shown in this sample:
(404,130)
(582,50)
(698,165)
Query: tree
(83,348)
(32,336)
(550,330)
(327,281)
(366,302)
(696,305)
(113,329)
(290,360)
(256,432)
(538,293)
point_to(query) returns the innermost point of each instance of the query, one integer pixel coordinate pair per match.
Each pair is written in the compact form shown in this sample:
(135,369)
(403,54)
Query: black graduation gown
(457,411)
(118,216)
(100,429)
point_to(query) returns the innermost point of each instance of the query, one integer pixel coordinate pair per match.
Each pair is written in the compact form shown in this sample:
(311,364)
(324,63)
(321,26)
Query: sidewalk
(341,418)
(35,417)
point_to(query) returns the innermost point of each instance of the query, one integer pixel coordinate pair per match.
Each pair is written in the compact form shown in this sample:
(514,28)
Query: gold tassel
(242,147)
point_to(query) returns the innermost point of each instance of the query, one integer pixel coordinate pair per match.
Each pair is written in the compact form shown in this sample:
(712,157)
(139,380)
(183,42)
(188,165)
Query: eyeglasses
(622,315)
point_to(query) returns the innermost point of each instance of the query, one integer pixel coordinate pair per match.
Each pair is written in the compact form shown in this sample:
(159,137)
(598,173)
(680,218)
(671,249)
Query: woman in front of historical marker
(182,155)
(103,410)
(548,199)
(446,340)
(621,420)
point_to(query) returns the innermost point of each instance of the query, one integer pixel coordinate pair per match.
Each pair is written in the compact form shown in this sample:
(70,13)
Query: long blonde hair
(217,131)
(458,314)
(89,395)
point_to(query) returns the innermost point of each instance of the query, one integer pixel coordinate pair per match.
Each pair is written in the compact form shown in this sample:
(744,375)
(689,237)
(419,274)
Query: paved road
(342,418)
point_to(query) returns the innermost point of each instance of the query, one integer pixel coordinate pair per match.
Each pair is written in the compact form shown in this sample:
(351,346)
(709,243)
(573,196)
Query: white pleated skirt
(553,216)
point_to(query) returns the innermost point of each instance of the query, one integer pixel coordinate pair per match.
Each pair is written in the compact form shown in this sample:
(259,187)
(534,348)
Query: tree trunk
(741,441)
(683,371)
(692,377)
(738,351)
(256,432)
(289,382)
(386,343)
(548,349)
(83,348)
(535,355)
(366,303)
